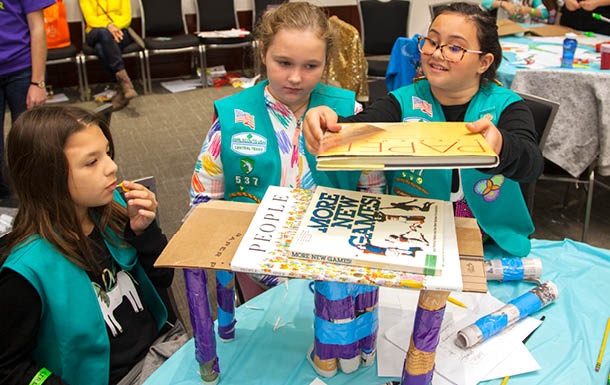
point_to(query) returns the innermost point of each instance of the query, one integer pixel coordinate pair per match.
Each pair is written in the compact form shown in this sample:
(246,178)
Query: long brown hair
(299,16)
(39,171)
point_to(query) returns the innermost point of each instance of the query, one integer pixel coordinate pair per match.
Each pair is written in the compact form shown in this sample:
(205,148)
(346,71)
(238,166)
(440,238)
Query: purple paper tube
(225,292)
(328,351)
(331,310)
(367,300)
(201,319)
(419,364)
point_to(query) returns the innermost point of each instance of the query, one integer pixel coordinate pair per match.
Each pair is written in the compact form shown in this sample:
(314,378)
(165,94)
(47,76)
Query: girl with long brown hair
(76,252)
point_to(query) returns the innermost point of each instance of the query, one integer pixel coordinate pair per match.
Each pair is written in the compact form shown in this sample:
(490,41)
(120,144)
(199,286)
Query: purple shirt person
(23,56)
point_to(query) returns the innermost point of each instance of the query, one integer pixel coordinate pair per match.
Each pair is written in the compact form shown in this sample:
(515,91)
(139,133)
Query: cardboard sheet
(209,238)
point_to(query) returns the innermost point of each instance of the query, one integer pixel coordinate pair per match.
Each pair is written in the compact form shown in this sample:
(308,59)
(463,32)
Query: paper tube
(514,269)
(203,326)
(225,292)
(419,364)
(519,308)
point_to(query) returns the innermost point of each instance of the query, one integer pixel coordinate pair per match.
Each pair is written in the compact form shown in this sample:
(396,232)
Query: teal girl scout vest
(249,148)
(496,202)
(72,341)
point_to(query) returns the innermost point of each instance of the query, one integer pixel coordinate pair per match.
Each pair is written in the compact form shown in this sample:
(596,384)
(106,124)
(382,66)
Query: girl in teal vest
(77,284)
(256,139)
(460,56)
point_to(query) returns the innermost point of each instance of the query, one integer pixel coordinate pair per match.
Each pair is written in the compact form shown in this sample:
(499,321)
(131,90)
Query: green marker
(601,18)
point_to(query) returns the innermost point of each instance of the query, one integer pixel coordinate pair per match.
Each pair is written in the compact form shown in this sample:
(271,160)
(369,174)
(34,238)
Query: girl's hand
(490,132)
(509,7)
(141,206)
(572,5)
(317,120)
(589,5)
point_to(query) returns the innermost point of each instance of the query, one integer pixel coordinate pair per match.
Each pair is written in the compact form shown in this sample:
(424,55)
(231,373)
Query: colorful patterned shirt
(208,178)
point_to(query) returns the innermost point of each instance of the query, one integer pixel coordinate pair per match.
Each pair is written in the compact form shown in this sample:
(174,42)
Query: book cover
(374,230)
(274,258)
(408,145)
(271,255)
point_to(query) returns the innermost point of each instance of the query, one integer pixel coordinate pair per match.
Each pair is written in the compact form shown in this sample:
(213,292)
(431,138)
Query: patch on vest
(248,143)
(244,117)
(424,106)
(415,120)
(246,165)
(489,188)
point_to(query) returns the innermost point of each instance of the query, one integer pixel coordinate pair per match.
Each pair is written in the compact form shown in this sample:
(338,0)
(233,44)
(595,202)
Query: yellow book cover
(388,146)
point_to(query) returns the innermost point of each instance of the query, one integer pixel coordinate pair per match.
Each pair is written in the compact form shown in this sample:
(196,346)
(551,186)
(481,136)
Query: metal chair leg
(81,87)
(204,65)
(85,81)
(589,204)
(146,58)
(143,72)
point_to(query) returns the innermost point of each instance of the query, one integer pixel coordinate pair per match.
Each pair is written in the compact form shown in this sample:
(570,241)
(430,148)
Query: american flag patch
(245,118)
(423,105)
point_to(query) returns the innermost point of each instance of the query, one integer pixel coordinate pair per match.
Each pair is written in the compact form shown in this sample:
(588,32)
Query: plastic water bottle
(569,49)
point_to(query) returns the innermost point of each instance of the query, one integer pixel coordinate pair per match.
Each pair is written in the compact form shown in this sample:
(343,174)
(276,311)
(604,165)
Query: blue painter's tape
(492,324)
(225,318)
(339,290)
(224,277)
(513,269)
(527,304)
(343,334)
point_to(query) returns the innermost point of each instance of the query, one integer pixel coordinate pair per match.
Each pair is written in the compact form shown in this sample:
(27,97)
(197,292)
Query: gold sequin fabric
(347,67)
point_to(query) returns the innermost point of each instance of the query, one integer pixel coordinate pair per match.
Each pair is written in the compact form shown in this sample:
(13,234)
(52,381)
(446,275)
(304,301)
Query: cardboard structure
(210,235)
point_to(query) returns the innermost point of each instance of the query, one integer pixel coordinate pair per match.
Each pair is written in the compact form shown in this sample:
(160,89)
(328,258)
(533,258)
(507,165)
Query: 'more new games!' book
(264,249)
(373,230)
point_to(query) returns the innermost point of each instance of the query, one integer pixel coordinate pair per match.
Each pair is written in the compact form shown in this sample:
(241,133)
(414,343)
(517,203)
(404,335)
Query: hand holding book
(490,132)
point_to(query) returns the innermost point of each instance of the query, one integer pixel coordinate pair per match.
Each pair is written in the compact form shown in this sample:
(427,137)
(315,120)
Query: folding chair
(215,15)
(164,31)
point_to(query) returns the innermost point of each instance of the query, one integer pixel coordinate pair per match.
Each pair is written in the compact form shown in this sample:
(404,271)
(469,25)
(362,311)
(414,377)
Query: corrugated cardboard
(209,238)
(508,27)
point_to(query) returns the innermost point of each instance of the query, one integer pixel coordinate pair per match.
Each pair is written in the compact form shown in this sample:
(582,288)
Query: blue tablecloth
(566,345)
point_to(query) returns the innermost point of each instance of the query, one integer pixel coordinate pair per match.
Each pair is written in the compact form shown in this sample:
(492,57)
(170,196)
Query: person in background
(579,15)
(520,11)
(23,57)
(460,56)
(107,23)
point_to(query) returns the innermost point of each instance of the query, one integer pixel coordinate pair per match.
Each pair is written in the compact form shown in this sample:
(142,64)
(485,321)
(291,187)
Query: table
(581,131)
(566,345)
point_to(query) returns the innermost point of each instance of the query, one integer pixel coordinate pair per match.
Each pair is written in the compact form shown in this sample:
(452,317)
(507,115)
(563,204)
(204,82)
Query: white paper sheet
(500,356)
(57,98)
(180,85)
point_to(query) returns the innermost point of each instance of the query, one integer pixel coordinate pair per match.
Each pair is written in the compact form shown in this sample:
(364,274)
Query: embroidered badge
(245,118)
(248,143)
(246,165)
(419,104)
(489,188)
(415,120)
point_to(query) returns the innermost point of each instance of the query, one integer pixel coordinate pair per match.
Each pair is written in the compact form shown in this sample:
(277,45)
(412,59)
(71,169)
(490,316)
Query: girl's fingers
(144,203)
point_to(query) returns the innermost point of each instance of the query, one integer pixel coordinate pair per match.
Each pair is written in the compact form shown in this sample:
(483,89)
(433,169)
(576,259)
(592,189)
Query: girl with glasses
(459,58)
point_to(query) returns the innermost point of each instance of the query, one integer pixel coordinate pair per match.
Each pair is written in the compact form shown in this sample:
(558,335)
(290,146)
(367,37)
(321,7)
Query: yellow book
(395,146)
